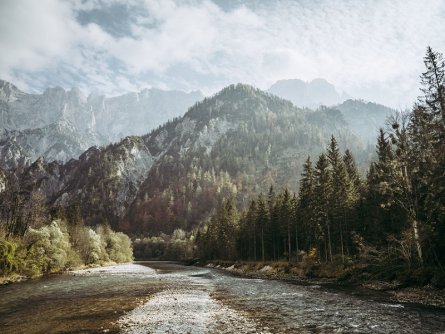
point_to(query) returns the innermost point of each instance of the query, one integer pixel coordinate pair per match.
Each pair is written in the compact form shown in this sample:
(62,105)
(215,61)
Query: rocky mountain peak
(9,92)
(60,124)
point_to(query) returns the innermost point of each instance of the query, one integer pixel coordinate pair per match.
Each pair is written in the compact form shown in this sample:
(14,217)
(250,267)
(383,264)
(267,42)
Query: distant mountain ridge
(310,94)
(60,125)
(364,118)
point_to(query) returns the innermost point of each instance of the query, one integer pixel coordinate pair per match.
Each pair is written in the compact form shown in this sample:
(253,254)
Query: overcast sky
(371,49)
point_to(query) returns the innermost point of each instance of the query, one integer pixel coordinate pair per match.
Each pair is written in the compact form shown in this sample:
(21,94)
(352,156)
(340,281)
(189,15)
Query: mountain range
(60,125)
(235,143)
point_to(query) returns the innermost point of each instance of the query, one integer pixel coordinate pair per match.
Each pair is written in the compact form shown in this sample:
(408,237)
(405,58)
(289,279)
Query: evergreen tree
(286,215)
(273,228)
(403,183)
(306,205)
(341,194)
(383,214)
(251,219)
(433,81)
(262,222)
(322,195)
(353,173)
(228,229)
(295,218)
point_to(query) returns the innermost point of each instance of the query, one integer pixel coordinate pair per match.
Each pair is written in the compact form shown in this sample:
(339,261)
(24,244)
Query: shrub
(48,249)
(9,262)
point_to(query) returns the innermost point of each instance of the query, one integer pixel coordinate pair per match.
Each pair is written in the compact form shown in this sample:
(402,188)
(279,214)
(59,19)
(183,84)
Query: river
(163,297)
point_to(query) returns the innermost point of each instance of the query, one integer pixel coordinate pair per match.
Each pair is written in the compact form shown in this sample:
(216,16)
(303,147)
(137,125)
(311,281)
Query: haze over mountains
(60,125)
(310,94)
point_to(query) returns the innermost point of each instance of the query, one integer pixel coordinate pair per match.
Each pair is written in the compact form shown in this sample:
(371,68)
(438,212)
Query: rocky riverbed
(162,297)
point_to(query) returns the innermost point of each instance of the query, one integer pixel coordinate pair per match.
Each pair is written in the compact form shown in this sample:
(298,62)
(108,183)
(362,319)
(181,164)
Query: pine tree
(426,132)
(286,216)
(262,221)
(252,223)
(322,195)
(306,205)
(433,81)
(295,219)
(384,216)
(353,173)
(403,183)
(339,201)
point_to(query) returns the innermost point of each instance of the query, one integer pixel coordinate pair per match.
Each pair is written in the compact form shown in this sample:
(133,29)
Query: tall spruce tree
(427,134)
(353,174)
(262,222)
(403,183)
(306,206)
(322,194)
(433,81)
(341,194)
(286,220)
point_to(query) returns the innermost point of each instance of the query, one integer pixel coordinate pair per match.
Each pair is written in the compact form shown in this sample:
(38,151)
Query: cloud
(32,34)
(372,49)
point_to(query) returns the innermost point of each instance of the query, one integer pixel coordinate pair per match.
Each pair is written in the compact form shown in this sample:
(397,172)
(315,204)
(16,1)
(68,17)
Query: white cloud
(32,34)
(371,48)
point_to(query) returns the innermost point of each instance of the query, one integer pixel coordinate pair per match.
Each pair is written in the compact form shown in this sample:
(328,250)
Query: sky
(371,49)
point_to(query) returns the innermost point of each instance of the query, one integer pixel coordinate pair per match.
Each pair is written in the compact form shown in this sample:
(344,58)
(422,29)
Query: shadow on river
(164,297)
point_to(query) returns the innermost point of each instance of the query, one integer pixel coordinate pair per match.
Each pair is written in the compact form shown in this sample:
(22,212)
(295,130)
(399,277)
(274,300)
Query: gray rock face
(60,125)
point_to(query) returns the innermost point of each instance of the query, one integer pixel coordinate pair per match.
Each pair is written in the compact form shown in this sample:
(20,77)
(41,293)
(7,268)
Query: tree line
(320,218)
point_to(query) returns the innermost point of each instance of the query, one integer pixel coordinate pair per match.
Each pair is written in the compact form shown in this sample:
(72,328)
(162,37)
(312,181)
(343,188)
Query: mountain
(236,143)
(307,94)
(60,125)
(365,118)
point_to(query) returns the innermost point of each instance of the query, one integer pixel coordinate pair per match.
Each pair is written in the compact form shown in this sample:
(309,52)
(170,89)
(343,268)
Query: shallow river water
(162,297)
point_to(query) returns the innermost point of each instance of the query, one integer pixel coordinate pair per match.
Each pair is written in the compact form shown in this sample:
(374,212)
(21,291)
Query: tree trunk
(254,244)
(341,241)
(289,241)
(296,240)
(262,243)
(329,240)
(417,240)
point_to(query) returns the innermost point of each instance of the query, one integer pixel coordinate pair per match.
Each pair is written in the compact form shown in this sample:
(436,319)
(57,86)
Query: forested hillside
(390,224)
(236,144)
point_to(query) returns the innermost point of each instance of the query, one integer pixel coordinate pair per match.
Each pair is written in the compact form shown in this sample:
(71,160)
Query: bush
(9,261)
(96,252)
(48,249)
(117,245)
(56,247)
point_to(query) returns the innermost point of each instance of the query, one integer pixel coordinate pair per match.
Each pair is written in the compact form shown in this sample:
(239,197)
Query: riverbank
(333,275)
(16,278)
(12,278)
